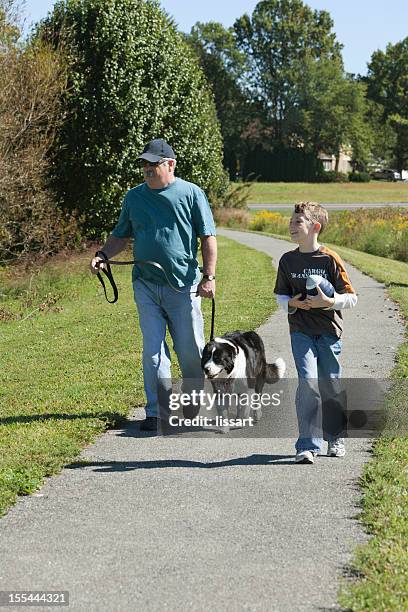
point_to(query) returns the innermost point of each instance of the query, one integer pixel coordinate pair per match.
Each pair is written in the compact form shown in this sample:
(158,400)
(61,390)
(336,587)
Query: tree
(383,134)
(387,85)
(275,39)
(132,77)
(9,25)
(32,77)
(331,110)
(222,64)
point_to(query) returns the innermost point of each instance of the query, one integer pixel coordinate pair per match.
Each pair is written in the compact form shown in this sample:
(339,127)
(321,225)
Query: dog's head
(218,358)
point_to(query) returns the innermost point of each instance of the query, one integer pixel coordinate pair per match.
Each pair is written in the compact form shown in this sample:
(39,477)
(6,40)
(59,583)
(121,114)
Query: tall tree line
(280,84)
(79,98)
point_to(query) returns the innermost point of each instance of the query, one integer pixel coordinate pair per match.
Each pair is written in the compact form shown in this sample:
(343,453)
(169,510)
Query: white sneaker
(336,448)
(305,457)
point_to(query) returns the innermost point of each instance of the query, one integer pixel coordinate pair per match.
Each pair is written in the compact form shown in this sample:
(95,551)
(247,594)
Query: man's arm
(112,247)
(206,288)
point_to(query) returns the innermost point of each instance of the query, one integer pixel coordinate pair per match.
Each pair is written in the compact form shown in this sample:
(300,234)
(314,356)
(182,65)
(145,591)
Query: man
(166,215)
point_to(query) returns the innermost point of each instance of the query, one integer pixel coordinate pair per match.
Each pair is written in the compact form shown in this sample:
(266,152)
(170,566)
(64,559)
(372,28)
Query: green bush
(132,78)
(331,176)
(359,177)
(32,77)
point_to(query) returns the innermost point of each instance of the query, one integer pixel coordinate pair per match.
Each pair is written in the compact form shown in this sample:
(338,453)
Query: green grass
(336,193)
(382,565)
(73,367)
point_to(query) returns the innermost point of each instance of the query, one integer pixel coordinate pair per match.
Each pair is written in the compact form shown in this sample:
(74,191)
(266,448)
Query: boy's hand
(295,302)
(319,301)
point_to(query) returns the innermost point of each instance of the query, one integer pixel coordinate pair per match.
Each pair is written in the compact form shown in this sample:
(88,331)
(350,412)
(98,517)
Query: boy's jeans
(320,402)
(159,307)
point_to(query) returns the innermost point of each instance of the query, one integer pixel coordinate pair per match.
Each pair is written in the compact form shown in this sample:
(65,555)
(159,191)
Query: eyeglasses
(145,163)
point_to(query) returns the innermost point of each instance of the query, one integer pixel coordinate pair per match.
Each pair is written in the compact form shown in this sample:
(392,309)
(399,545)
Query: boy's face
(301,228)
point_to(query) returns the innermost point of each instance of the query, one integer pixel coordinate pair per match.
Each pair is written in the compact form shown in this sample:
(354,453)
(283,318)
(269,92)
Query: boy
(316,326)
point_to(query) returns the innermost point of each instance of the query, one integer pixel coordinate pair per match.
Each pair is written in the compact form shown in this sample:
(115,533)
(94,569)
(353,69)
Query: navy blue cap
(156,149)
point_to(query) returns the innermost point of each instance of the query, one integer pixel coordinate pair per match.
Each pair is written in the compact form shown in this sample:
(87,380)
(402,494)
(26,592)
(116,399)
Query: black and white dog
(236,362)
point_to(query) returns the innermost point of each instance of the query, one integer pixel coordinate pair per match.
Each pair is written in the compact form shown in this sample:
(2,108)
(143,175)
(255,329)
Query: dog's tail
(275,370)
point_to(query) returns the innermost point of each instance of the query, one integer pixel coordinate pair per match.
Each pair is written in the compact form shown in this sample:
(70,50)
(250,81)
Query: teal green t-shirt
(165,224)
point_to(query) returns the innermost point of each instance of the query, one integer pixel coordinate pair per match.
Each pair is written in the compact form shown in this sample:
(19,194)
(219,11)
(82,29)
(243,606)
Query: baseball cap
(156,149)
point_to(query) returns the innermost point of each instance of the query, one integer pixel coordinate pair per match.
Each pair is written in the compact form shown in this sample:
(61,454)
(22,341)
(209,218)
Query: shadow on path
(125,466)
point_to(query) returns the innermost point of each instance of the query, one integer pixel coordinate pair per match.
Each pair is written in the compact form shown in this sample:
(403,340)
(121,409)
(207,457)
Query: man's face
(300,227)
(158,174)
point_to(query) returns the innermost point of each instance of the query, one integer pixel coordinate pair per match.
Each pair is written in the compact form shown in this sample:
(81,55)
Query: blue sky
(362,26)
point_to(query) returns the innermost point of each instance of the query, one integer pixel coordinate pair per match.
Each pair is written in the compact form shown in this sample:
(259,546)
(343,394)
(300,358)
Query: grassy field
(341,193)
(71,362)
(381,231)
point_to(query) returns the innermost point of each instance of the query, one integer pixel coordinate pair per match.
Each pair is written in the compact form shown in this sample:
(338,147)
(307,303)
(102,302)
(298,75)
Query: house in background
(329,161)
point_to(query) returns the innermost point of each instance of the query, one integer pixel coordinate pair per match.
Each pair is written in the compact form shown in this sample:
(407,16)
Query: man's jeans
(159,307)
(320,401)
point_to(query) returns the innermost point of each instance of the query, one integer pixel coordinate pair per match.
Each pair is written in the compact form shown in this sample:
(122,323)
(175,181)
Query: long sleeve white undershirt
(342,301)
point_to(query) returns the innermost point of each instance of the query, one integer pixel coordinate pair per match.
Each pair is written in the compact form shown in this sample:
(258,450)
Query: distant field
(341,193)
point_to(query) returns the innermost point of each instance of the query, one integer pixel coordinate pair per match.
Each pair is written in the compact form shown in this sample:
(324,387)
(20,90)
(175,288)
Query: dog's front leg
(223,422)
(221,401)
(226,404)
(256,414)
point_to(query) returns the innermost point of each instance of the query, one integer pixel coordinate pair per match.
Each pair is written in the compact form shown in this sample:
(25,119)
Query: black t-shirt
(294,268)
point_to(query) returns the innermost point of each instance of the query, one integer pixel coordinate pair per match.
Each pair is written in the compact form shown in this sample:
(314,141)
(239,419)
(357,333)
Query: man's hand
(295,302)
(206,288)
(96,264)
(112,247)
(320,300)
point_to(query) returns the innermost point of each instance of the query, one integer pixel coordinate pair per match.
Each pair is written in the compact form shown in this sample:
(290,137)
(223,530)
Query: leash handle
(108,273)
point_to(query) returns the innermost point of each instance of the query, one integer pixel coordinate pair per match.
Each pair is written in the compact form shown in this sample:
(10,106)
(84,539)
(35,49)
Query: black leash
(108,273)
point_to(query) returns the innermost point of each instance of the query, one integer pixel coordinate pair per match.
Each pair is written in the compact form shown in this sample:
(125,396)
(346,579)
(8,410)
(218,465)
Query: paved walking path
(225,524)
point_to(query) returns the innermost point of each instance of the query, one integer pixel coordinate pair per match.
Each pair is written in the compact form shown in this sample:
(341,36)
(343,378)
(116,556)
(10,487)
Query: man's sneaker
(149,424)
(305,457)
(336,448)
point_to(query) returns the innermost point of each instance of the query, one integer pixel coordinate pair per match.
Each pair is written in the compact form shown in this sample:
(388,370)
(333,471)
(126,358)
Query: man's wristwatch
(209,276)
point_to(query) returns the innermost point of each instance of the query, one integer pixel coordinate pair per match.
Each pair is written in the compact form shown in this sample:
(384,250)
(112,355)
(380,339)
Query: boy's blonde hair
(314,212)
